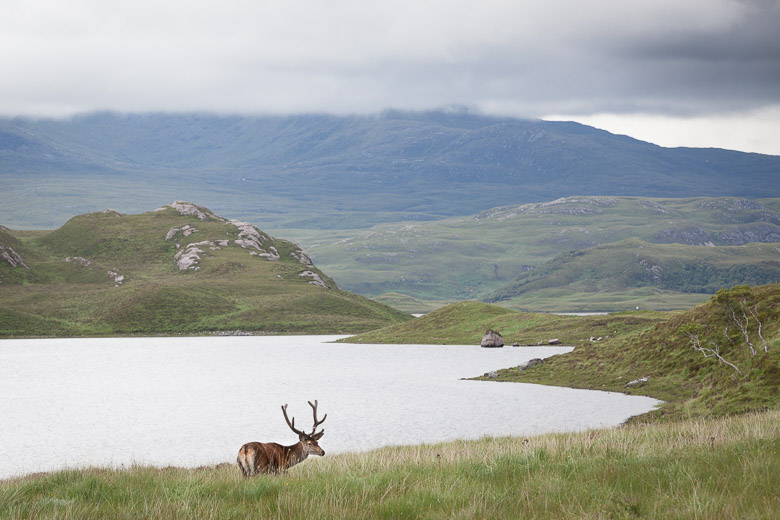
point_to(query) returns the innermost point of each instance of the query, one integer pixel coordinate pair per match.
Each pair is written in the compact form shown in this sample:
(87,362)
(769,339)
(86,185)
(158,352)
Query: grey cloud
(662,56)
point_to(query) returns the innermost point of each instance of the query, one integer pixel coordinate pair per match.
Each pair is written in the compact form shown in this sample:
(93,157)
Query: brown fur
(255,458)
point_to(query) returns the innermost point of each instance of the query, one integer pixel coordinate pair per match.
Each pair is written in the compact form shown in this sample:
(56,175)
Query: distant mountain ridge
(351,171)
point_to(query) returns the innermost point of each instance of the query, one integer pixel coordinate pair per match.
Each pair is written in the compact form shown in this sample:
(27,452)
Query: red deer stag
(270,457)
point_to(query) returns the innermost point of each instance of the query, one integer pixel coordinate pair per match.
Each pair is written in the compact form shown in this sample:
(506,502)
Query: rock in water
(492,339)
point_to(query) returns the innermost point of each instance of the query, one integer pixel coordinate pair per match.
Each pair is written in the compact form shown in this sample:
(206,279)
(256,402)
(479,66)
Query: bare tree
(694,333)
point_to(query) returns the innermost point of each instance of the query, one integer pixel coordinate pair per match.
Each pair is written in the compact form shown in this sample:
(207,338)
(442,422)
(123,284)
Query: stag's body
(255,458)
(269,457)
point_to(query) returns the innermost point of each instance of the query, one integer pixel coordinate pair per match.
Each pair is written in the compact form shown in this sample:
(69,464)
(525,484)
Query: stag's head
(308,440)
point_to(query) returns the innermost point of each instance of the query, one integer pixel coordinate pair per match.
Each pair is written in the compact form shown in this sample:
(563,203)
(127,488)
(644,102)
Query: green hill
(180,269)
(630,268)
(613,350)
(692,382)
(470,257)
(465,323)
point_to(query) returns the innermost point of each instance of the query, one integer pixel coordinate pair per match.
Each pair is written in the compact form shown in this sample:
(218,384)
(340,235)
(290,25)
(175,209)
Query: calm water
(194,401)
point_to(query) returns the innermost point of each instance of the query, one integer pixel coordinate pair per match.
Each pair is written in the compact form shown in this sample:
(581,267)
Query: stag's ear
(318,436)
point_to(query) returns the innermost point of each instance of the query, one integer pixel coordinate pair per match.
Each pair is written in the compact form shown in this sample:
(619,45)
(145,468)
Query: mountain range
(332,172)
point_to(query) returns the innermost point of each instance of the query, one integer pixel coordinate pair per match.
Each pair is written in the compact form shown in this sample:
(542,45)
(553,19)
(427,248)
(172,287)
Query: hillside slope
(677,358)
(321,171)
(468,257)
(630,268)
(179,269)
(719,358)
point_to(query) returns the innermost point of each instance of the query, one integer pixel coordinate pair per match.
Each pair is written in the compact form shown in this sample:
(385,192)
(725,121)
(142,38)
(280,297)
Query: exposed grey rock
(317,279)
(554,341)
(654,206)
(189,209)
(232,333)
(759,232)
(12,257)
(79,260)
(302,257)
(249,237)
(116,276)
(563,205)
(637,382)
(491,375)
(691,235)
(529,364)
(189,256)
(492,339)
(186,230)
(732,204)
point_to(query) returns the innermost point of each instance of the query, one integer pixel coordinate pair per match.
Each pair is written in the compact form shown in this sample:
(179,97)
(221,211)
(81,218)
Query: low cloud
(666,58)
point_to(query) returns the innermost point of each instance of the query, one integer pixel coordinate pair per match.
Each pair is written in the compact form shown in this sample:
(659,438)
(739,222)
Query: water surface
(195,401)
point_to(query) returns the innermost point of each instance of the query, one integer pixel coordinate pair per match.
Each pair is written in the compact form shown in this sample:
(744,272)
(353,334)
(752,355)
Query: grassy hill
(612,350)
(465,323)
(321,171)
(179,269)
(690,382)
(470,257)
(629,269)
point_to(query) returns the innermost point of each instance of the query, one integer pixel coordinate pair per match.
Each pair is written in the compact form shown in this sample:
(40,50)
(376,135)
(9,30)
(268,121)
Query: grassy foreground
(717,468)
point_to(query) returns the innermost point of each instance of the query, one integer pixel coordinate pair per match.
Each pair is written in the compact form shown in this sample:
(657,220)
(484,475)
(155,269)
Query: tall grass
(724,468)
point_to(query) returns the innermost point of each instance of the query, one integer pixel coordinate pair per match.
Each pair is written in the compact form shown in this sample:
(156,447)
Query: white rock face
(114,275)
(186,230)
(12,257)
(190,209)
(302,257)
(79,260)
(189,256)
(249,237)
(317,279)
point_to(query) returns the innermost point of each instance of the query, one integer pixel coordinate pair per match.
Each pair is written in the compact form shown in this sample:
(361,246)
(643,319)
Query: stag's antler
(291,424)
(316,422)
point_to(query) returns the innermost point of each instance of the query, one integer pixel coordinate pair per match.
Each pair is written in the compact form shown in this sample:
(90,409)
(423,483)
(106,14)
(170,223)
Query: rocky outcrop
(302,257)
(185,230)
(80,260)
(316,279)
(12,257)
(249,237)
(189,209)
(116,276)
(529,364)
(492,339)
(637,382)
(759,232)
(658,208)
(691,235)
(189,256)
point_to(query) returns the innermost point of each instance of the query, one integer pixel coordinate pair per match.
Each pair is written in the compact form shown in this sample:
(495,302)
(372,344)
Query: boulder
(492,339)
(554,341)
(637,382)
(529,364)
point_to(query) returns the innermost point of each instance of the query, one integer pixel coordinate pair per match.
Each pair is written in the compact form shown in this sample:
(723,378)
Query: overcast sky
(673,72)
